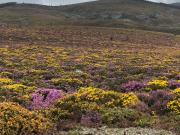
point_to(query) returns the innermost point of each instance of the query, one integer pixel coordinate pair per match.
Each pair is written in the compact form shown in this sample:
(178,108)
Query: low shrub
(56,114)
(173,84)
(4,81)
(174,104)
(145,122)
(176,92)
(18,87)
(94,99)
(16,120)
(156,100)
(18,93)
(43,97)
(157,84)
(67,84)
(132,86)
(121,117)
(91,119)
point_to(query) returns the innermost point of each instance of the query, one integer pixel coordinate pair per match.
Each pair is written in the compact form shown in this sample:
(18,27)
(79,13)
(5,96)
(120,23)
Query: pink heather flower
(43,97)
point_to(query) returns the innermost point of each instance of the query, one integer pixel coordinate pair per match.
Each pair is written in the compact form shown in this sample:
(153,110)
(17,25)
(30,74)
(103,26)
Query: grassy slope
(111,13)
(134,13)
(29,15)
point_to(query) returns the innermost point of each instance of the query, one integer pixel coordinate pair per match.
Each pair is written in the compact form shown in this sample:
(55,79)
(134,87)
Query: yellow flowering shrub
(17,87)
(15,92)
(157,84)
(5,74)
(96,99)
(5,81)
(174,105)
(176,91)
(16,120)
(129,99)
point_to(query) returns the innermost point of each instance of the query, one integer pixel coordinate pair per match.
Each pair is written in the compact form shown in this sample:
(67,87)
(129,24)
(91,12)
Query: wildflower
(157,84)
(45,97)
(6,81)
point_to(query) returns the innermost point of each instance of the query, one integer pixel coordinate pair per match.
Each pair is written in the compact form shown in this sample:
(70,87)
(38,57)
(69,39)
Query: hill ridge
(137,14)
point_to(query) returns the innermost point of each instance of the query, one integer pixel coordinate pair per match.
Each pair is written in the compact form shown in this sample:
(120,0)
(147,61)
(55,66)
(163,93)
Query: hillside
(126,13)
(176,4)
(89,69)
(29,15)
(112,13)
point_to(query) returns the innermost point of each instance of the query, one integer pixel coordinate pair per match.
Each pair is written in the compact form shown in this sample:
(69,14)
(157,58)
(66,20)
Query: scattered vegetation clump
(174,104)
(157,84)
(5,81)
(16,120)
(120,117)
(67,84)
(95,99)
(43,98)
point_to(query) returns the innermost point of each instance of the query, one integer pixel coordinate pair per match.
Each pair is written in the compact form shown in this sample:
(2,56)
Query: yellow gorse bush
(107,97)
(16,120)
(17,87)
(96,99)
(157,83)
(174,105)
(176,91)
(129,99)
(6,81)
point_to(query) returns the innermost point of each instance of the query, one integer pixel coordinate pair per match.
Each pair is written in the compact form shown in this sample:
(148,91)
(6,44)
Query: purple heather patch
(173,84)
(133,85)
(43,97)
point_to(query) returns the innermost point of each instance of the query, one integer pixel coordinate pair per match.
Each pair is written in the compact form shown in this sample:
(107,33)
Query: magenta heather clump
(133,85)
(42,98)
